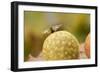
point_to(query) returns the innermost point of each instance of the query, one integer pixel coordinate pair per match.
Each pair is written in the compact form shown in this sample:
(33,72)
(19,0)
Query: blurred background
(36,24)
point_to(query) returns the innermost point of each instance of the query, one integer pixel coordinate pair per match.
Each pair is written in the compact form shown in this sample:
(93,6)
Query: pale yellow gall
(60,45)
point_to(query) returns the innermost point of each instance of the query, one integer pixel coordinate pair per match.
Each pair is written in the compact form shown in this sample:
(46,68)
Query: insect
(53,22)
